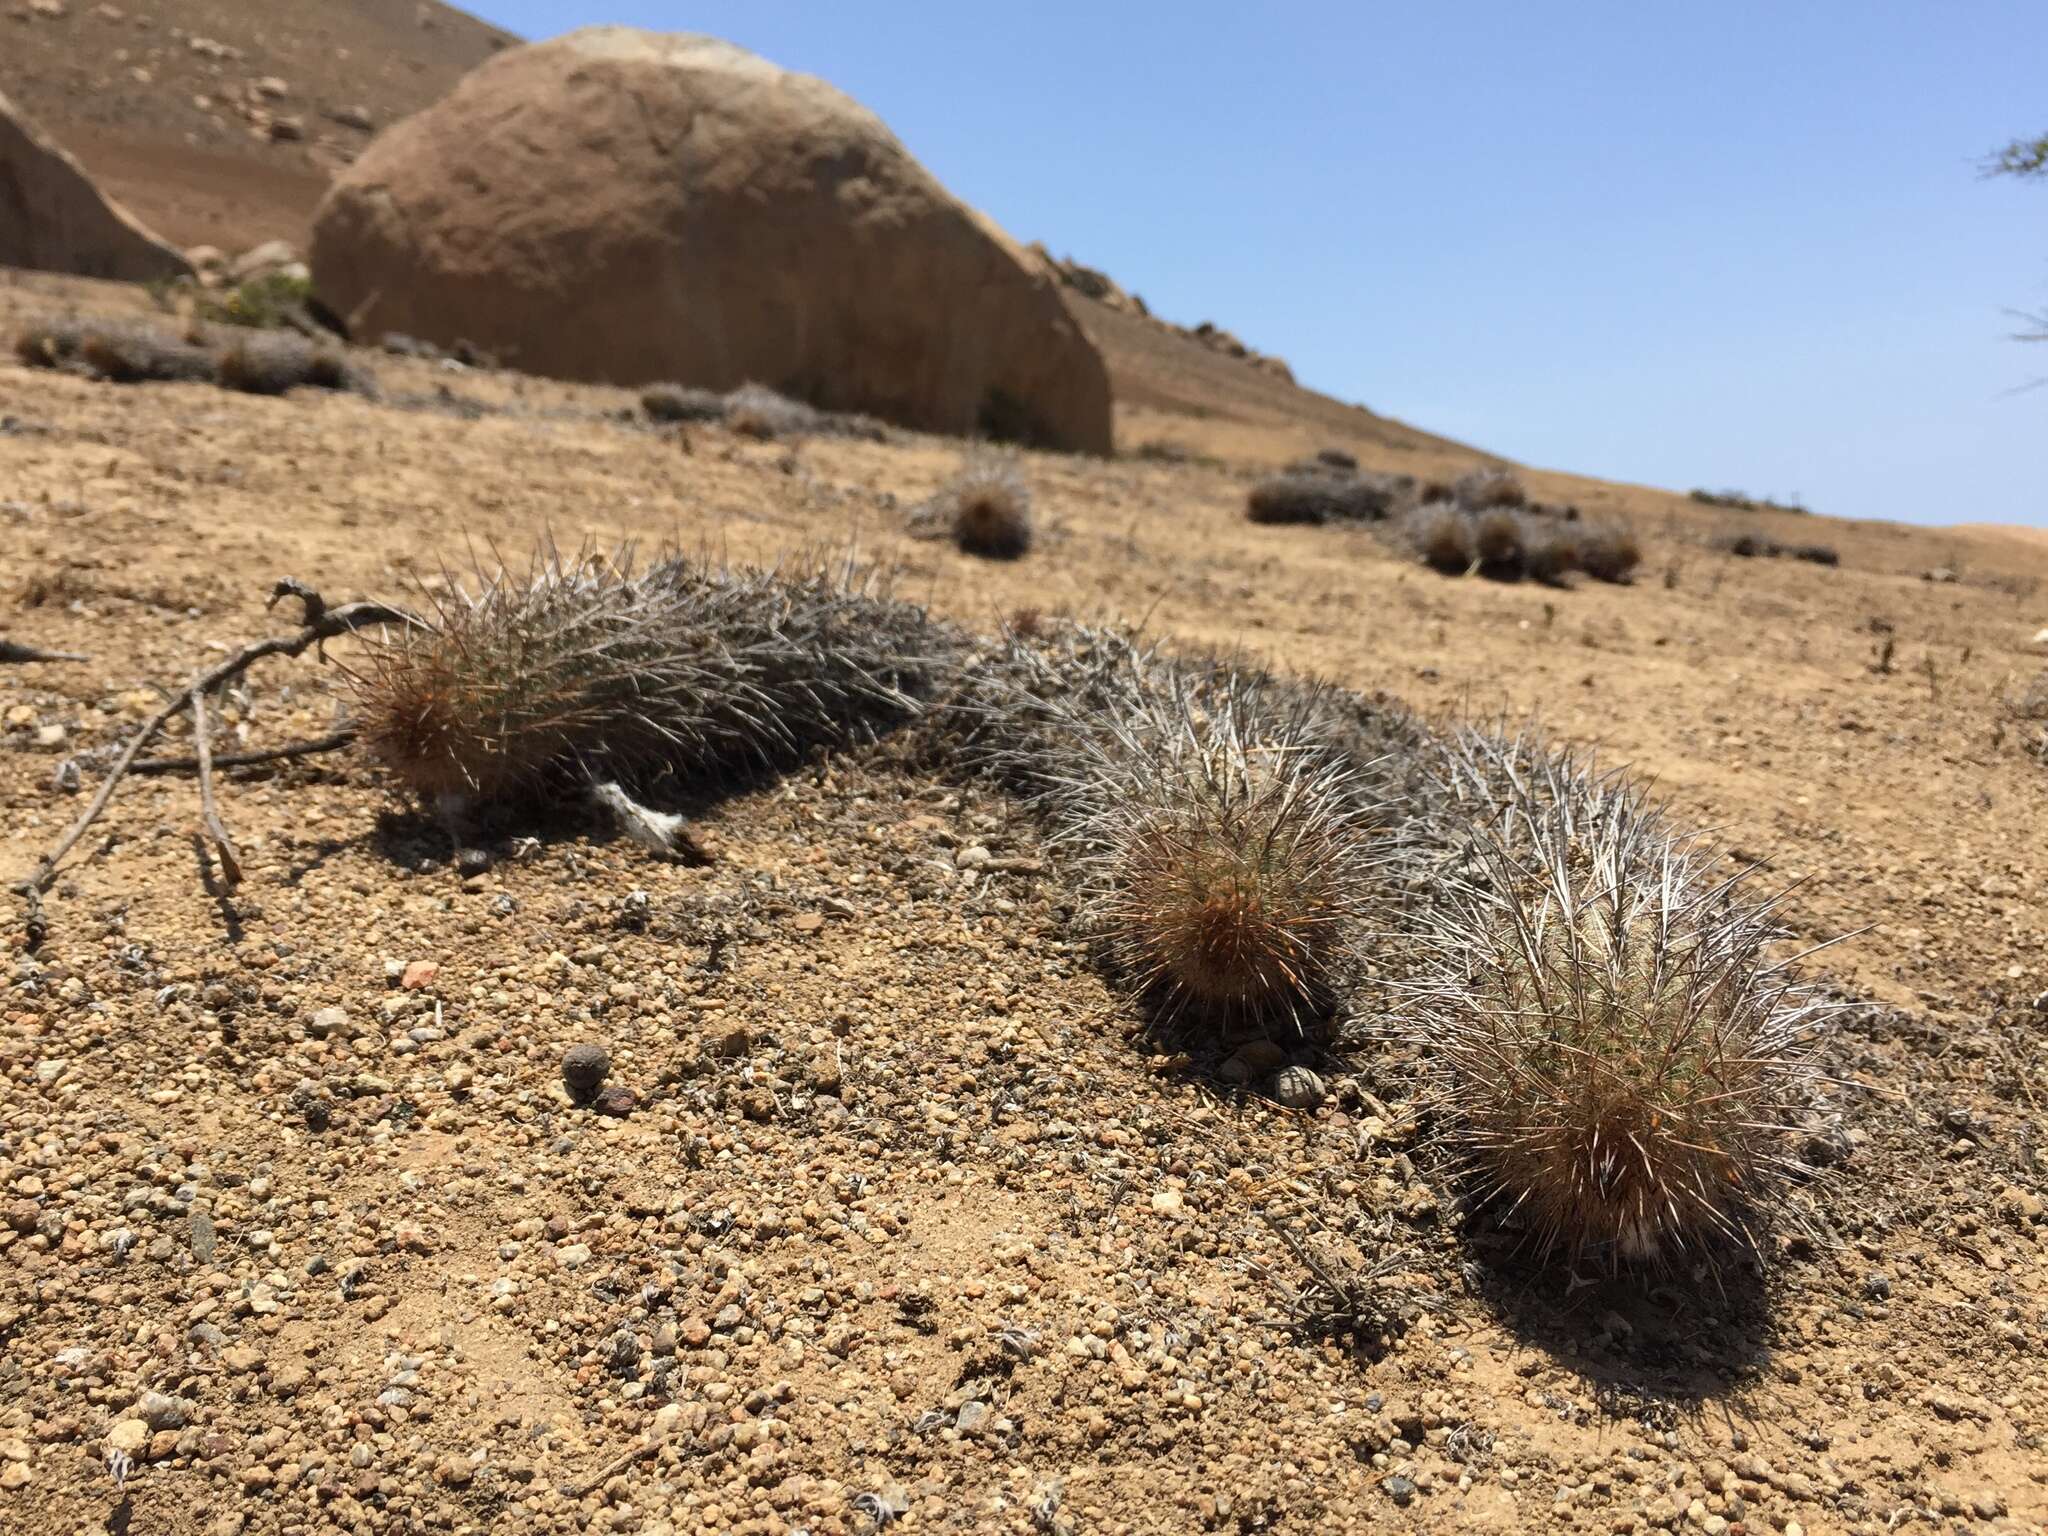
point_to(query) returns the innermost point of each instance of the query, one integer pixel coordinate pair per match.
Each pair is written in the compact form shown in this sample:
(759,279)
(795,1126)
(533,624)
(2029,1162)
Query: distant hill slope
(121,84)
(170,103)
(1220,404)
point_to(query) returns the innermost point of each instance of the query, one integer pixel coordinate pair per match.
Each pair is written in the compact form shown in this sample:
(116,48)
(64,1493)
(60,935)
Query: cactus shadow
(420,841)
(1666,1352)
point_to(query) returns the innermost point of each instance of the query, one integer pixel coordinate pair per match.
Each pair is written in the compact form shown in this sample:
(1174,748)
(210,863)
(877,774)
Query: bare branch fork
(322,623)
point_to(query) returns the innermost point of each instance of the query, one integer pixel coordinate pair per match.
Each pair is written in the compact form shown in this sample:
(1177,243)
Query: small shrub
(263,303)
(1442,535)
(1609,552)
(1161,450)
(1337,458)
(1815,554)
(1484,488)
(1737,502)
(398,344)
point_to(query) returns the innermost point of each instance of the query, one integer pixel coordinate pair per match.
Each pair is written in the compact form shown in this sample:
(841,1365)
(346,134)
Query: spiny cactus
(587,669)
(985,509)
(135,355)
(1608,552)
(1550,548)
(1620,1059)
(1225,857)
(50,343)
(1483,488)
(1497,542)
(272,362)
(1442,535)
(1326,495)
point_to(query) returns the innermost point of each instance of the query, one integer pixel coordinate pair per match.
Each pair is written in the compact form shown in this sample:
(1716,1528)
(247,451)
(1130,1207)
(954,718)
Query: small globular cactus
(1620,1060)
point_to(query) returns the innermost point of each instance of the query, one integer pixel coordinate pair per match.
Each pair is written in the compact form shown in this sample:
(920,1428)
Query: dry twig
(209,811)
(321,624)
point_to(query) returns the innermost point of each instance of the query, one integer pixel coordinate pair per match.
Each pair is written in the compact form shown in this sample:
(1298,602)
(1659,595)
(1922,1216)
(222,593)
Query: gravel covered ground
(884,1213)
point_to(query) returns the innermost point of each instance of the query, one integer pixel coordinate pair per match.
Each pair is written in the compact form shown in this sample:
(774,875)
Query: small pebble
(1297,1088)
(584,1069)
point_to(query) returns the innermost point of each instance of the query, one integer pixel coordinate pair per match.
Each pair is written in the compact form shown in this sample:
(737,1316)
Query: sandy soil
(907,1225)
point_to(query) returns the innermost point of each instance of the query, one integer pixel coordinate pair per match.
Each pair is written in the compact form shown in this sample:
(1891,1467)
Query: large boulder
(53,218)
(629,206)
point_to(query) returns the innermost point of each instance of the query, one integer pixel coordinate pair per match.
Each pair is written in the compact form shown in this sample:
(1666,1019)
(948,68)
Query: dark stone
(584,1069)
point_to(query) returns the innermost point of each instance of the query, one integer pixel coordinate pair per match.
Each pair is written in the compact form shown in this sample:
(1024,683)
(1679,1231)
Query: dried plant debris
(1622,1063)
(588,668)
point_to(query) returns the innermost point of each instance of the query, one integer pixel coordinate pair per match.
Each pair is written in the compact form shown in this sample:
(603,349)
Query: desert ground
(907,1224)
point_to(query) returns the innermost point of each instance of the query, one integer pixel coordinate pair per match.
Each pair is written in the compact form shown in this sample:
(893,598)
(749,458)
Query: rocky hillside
(219,122)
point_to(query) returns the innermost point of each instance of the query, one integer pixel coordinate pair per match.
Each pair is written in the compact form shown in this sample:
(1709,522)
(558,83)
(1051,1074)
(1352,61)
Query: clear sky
(1738,245)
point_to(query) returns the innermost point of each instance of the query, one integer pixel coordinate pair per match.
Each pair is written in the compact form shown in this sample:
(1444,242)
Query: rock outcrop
(54,219)
(628,206)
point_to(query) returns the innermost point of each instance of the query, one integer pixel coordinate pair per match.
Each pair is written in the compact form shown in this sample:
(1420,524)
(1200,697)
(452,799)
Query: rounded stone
(1297,1088)
(584,1069)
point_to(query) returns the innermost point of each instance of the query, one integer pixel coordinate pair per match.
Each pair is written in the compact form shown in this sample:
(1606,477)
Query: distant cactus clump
(1442,535)
(1323,493)
(274,362)
(985,509)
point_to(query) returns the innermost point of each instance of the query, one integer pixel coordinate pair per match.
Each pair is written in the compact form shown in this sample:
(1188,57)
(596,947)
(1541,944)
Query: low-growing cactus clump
(681,402)
(1620,1061)
(276,362)
(756,411)
(251,361)
(1322,494)
(1509,543)
(587,669)
(985,509)
(136,355)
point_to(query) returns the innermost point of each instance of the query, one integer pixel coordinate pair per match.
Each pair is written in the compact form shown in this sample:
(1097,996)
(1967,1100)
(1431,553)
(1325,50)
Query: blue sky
(1741,245)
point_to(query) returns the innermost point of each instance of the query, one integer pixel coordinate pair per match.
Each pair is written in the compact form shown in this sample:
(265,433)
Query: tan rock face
(627,206)
(53,218)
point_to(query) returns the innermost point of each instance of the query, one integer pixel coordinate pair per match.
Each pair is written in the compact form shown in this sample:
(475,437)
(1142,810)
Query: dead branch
(321,624)
(333,741)
(209,811)
(15,651)
(610,1470)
